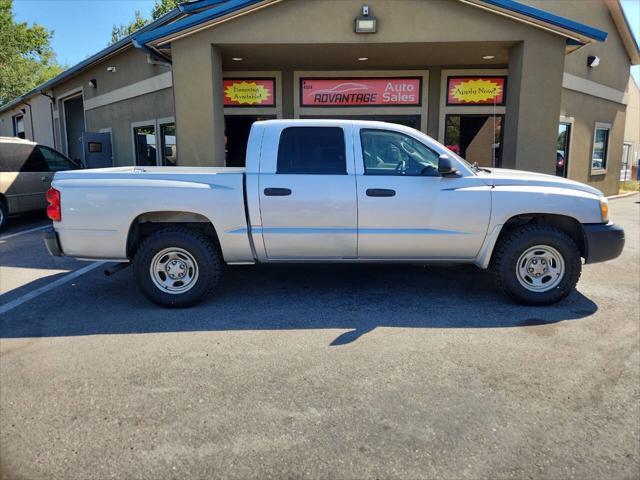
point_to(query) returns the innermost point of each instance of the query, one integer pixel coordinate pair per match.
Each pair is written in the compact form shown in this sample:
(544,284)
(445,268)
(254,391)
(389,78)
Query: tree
(26,57)
(118,32)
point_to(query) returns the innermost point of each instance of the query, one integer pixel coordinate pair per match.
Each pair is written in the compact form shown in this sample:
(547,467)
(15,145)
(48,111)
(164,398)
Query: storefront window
(562,149)
(168,144)
(145,141)
(476,138)
(600,147)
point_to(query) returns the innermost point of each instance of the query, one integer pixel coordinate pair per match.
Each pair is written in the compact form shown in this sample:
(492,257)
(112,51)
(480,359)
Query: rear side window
(21,157)
(56,162)
(312,151)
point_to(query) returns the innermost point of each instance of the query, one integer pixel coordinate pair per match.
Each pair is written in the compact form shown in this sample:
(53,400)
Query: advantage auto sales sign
(352,92)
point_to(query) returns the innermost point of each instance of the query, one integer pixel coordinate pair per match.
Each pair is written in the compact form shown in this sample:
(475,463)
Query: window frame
(600,170)
(396,132)
(14,121)
(344,145)
(156,123)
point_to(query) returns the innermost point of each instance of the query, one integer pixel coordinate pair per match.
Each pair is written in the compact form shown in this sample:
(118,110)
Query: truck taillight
(53,209)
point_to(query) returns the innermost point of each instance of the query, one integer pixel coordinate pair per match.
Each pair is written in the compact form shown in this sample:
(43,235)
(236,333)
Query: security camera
(111,69)
(593,61)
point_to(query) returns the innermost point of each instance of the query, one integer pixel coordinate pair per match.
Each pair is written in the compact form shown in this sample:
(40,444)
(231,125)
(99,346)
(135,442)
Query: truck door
(406,210)
(307,192)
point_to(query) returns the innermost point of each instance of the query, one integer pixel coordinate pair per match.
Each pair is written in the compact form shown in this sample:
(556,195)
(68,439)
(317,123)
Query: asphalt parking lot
(316,371)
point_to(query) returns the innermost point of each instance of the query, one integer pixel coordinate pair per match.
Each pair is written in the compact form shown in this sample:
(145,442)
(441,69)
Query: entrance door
(308,193)
(74,125)
(476,138)
(97,150)
(562,149)
(406,210)
(236,135)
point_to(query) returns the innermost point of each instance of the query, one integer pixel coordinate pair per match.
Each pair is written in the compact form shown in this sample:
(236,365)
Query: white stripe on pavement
(44,289)
(7,237)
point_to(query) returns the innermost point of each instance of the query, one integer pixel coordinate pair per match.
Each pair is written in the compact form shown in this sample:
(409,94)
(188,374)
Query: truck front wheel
(177,267)
(536,264)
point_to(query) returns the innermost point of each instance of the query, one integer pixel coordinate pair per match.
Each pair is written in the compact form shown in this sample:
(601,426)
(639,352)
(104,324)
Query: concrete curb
(622,195)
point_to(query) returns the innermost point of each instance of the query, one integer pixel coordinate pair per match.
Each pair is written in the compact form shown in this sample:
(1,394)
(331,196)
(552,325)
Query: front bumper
(603,241)
(51,242)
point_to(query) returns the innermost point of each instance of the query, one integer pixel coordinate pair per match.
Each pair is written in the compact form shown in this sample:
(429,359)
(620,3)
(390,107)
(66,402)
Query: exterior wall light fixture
(593,61)
(93,83)
(366,23)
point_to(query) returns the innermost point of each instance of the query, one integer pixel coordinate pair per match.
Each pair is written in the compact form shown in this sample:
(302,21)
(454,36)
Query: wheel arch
(566,223)
(149,222)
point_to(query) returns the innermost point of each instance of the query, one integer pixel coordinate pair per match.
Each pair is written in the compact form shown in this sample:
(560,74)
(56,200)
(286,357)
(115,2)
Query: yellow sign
(474,91)
(248,92)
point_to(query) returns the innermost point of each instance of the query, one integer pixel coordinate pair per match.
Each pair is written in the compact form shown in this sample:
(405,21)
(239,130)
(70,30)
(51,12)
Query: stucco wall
(586,110)
(331,22)
(120,115)
(38,117)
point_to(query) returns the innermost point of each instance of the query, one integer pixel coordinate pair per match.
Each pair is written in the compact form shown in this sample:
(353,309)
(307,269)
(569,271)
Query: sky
(83,27)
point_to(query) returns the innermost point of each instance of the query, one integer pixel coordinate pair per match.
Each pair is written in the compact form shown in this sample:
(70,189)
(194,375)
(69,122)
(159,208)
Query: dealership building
(536,85)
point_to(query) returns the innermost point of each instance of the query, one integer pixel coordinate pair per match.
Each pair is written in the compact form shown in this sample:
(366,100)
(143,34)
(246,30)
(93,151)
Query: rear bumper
(603,241)
(51,242)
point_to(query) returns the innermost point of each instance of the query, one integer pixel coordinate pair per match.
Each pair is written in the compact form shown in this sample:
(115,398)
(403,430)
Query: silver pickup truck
(332,191)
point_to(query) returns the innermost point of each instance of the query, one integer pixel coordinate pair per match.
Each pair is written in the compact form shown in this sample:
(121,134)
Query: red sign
(476,90)
(249,92)
(351,92)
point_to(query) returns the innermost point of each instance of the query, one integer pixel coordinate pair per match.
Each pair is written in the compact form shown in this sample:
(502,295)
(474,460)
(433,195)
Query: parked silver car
(26,170)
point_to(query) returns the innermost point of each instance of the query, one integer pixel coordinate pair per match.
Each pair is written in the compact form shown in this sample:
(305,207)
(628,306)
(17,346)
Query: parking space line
(44,289)
(6,237)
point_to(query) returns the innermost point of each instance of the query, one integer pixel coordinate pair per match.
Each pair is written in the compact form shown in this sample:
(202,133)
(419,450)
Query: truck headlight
(604,209)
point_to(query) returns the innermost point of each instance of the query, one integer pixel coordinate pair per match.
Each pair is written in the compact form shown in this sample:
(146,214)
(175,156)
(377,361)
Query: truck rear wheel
(536,264)
(177,267)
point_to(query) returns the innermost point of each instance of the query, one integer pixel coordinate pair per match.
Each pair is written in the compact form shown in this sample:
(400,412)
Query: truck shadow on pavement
(358,298)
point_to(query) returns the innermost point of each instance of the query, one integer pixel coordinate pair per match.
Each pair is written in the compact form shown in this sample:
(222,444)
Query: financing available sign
(249,92)
(476,90)
(356,92)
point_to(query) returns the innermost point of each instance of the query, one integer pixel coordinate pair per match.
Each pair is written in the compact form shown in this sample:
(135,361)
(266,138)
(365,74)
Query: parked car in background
(26,170)
(333,191)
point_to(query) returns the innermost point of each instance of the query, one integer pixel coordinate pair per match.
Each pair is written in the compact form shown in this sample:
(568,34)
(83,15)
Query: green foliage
(118,32)
(26,57)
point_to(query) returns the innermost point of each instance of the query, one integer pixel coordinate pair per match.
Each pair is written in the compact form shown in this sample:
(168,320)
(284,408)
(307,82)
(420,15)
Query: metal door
(309,214)
(406,213)
(96,148)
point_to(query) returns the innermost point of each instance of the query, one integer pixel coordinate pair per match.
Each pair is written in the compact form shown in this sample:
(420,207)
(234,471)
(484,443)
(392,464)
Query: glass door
(562,149)
(475,137)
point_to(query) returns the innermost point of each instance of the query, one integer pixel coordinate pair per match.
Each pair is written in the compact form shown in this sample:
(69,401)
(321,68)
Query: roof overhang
(573,31)
(200,21)
(629,41)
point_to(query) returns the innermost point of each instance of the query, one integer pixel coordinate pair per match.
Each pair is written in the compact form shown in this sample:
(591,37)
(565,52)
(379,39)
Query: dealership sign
(476,90)
(249,92)
(356,92)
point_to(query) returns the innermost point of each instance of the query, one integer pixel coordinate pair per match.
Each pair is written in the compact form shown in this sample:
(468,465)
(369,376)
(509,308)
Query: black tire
(203,251)
(515,243)
(3,214)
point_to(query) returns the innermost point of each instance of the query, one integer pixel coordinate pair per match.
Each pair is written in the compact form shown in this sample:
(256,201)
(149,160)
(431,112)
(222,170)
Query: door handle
(277,192)
(380,192)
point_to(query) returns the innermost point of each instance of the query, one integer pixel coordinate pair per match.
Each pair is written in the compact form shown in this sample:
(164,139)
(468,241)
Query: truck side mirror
(446,167)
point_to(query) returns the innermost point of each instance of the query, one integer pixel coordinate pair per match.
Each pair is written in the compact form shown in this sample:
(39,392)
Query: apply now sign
(476,90)
(340,92)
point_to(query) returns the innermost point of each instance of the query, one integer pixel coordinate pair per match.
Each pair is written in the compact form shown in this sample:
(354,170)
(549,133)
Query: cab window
(393,153)
(312,151)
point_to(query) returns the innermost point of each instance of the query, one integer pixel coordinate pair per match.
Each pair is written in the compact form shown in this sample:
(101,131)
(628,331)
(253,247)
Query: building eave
(624,29)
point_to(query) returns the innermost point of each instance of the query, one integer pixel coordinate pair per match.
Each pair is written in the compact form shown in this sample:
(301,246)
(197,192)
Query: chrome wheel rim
(174,270)
(540,268)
